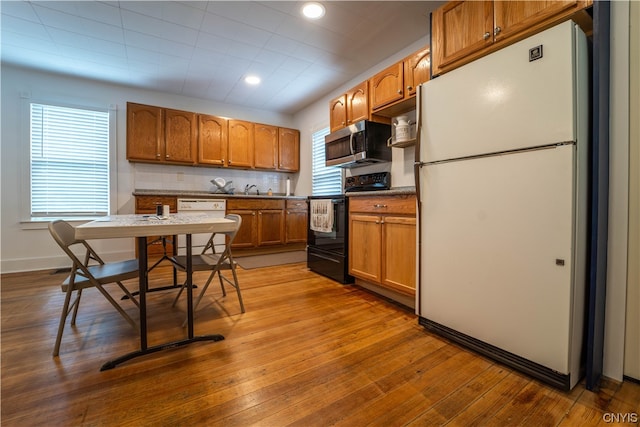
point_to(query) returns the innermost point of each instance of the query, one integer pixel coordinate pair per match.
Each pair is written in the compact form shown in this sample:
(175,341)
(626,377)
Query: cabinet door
(512,17)
(145,133)
(338,113)
(247,236)
(240,144)
(358,103)
(460,28)
(270,227)
(288,149)
(180,136)
(417,70)
(296,222)
(387,86)
(265,146)
(399,254)
(365,240)
(212,140)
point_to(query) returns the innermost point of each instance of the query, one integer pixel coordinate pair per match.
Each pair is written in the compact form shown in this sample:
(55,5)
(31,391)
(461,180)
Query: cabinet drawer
(405,204)
(255,204)
(296,205)
(147,204)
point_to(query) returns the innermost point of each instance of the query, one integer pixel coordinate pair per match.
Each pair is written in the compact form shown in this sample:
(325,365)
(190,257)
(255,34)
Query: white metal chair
(216,263)
(90,272)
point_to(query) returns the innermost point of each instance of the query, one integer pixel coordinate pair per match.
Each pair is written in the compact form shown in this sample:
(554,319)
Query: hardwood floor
(308,352)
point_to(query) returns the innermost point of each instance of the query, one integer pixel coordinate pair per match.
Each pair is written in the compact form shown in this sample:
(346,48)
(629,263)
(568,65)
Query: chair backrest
(238,220)
(64,234)
(230,235)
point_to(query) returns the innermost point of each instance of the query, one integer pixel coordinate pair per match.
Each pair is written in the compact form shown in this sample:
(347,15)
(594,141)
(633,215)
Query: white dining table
(141,227)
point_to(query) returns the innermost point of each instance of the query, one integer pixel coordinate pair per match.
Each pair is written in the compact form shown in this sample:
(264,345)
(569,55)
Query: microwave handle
(351,143)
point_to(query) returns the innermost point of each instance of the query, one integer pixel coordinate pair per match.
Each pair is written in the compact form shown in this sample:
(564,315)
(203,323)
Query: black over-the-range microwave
(359,144)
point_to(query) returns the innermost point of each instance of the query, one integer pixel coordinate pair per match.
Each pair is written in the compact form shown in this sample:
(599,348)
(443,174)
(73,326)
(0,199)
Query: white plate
(220,181)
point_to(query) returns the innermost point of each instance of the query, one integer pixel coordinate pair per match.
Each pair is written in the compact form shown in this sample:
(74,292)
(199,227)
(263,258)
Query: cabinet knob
(496,31)
(166,156)
(399,91)
(253,214)
(222,162)
(158,155)
(409,87)
(379,206)
(486,35)
(229,161)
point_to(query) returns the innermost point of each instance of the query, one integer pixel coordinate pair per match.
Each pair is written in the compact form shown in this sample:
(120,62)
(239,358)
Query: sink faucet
(248,187)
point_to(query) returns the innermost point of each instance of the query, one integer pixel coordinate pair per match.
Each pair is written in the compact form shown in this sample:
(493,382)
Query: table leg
(142,283)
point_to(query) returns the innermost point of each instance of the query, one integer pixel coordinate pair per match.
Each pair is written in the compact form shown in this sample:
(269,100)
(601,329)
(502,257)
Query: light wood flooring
(308,352)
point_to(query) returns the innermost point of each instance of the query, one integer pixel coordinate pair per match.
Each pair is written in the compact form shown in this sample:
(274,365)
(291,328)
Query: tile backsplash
(170,177)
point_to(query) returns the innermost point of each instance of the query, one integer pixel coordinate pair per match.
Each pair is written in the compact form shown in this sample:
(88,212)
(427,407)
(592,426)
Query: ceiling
(204,49)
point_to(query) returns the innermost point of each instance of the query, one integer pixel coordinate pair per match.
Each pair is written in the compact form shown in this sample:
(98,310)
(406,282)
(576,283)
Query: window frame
(29,222)
(339,171)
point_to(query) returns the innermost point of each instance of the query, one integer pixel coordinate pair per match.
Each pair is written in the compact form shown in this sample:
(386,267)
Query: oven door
(336,240)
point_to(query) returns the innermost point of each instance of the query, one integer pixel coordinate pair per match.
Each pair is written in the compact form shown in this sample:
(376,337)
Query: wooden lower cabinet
(382,241)
(147,205)
(262,222)
(296,221)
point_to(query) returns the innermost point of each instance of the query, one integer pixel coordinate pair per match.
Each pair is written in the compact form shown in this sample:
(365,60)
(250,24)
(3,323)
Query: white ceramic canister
(402,129)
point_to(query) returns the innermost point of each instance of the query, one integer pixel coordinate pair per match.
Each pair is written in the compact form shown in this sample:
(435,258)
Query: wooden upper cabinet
(338,113)
(288,149)
(358,103)
(417,70)
(241,140)
(265,146)
(212,140)
(466,30)
(387,86)
(460,28)
(512,17)
(145,132)
(350,107)
(180,136)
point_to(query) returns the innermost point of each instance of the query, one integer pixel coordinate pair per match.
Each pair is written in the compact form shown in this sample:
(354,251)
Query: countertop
(210,195)
(396,191)
(206,194)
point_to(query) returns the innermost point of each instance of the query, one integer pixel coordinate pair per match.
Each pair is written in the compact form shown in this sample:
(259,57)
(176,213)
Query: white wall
(27,246)
(316,117)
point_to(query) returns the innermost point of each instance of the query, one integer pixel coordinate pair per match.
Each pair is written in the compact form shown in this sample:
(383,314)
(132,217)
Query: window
(69,161)
(325,180)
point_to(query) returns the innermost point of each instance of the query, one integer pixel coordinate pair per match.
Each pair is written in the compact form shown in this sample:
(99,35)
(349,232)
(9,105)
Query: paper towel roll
(288,187)
(165,210)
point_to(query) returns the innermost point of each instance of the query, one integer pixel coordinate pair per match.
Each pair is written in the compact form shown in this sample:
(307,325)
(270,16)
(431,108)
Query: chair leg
(128,294)
(75,305)
(204,289)
(224,291)
(237,286)
(116,305)
(63,320)
(175,300)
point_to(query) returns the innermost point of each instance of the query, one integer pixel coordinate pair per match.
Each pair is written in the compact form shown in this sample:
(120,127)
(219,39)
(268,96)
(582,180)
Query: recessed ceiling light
(313,10)
(252,80)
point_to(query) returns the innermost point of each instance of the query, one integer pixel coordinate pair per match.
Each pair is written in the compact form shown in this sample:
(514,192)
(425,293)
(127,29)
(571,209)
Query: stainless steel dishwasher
(213,207)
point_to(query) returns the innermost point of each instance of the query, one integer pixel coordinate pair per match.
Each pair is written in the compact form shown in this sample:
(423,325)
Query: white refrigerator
(501,177)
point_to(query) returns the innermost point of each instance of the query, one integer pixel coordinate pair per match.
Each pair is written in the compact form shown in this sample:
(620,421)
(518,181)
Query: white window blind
(69,161)
(325,180)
